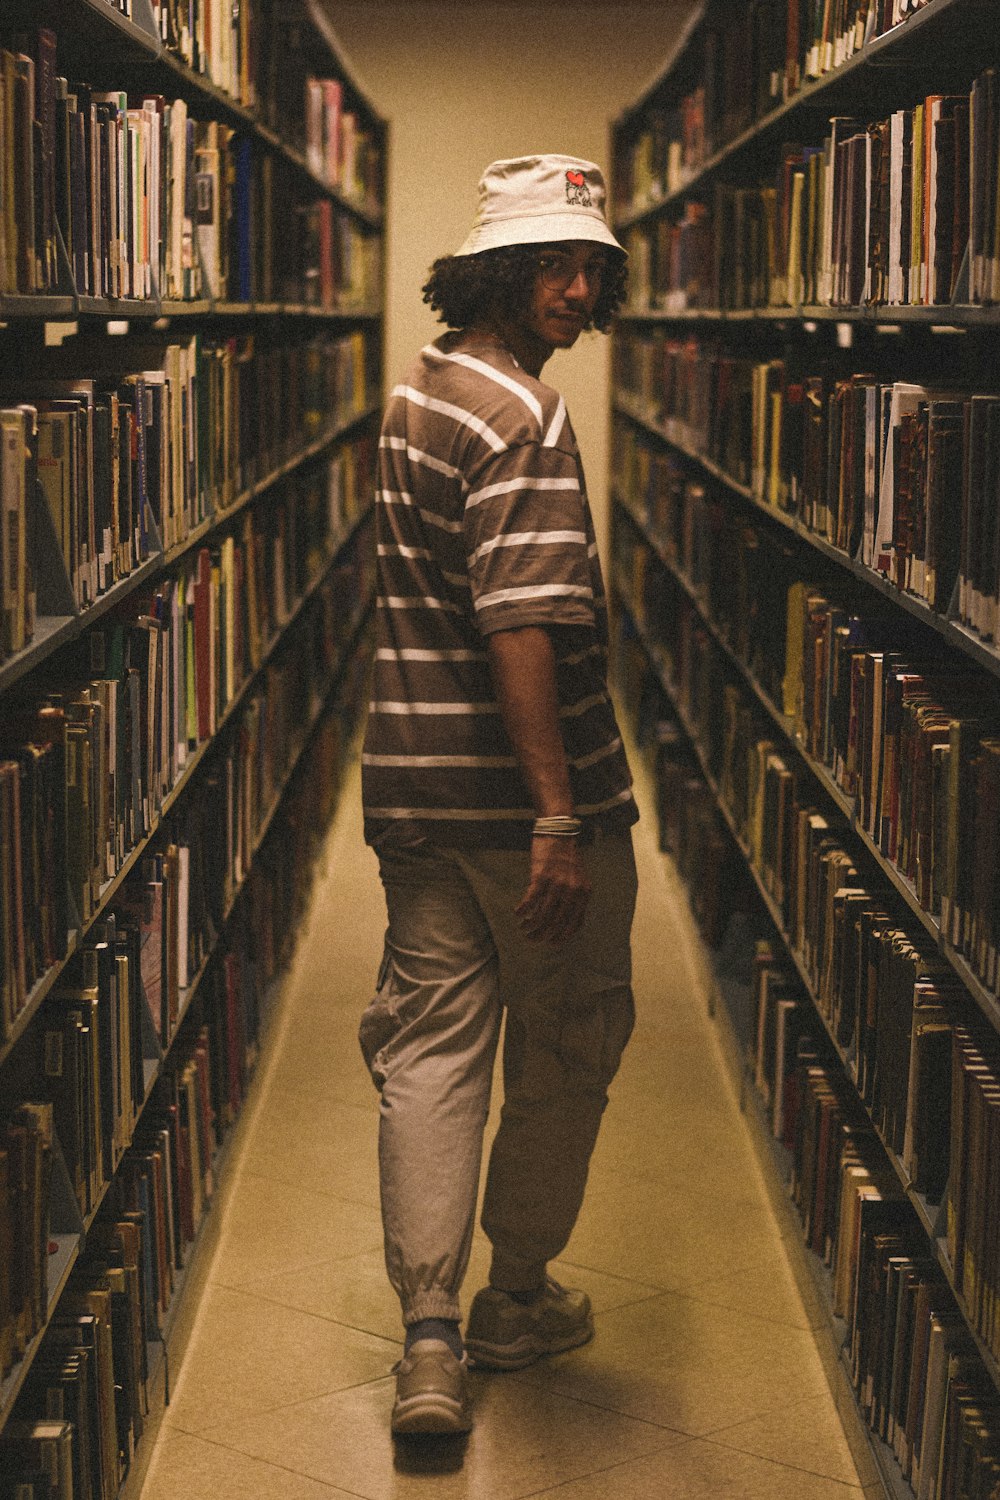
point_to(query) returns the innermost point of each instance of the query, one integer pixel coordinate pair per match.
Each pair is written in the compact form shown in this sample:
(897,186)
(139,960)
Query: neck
(528,349)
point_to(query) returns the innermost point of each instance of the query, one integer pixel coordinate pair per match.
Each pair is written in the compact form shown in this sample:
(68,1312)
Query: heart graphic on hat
(576,178)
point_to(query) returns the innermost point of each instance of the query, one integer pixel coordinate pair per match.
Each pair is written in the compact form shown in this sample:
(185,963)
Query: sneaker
(505,1334)
(431,1397)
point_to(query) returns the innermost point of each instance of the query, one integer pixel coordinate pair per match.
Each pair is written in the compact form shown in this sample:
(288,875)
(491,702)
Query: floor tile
(524,1440)
(301,1137)
(686,1365)
(249,1356)
(806,1436)
(324,1061)
(189,1467)
(354,1291)
(701,1471)
(272,1226)
(653,1235)
(765,1289)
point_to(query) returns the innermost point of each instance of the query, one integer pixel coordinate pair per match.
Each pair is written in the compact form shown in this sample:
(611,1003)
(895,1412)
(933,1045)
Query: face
(568,283)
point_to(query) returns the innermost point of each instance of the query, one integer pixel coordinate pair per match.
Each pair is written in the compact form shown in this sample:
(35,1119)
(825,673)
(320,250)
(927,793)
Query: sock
(445,1329)
(525,1298)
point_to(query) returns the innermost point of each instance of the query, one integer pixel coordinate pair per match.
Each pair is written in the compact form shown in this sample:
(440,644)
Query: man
(496,793)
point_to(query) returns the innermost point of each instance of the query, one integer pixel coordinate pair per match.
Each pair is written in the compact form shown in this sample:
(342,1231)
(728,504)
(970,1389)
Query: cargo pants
(455,959)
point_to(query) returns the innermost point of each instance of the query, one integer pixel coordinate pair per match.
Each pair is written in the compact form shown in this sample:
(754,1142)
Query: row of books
(94,1047)
(341,264)
(97,475)
(901,1321)
(86,770)
(747,60)
(920,1381)
(784,1029)
(896,474)
(264,54)
(887,996)
(318,112)
(338,148)
(896,727)
(219,41)
(902,211)
(84,1403)
(690,829)
(257,238)
(970,1226)
(133,198)
(738,568)
(94,1043)
(889,999)
(915,743)
(26,1143)
(85,1408)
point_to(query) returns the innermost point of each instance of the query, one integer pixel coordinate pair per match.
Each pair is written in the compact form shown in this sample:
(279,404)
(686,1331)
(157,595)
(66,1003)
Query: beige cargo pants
(455,957)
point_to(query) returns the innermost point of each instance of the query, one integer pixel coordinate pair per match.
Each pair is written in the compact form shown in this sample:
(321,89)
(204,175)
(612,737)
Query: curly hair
(468,289)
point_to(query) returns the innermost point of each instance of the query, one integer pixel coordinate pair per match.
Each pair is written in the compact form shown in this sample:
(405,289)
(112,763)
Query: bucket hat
(533,200)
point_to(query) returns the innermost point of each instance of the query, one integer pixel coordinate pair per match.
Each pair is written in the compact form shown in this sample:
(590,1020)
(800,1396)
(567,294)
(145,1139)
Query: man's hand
(553,907)
(524,672)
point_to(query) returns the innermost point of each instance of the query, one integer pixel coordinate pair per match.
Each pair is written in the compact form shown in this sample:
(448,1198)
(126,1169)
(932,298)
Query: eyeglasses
(559,272)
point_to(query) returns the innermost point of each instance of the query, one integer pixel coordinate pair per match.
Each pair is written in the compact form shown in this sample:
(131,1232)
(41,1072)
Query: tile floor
(704,1379)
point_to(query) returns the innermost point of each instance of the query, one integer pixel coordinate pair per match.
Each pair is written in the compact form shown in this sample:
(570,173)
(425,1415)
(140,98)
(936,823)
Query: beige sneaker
(504,1334)
(431,1395)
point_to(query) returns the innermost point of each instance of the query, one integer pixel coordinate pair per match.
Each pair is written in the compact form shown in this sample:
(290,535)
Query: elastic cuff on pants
(432,1305)
(512,1273)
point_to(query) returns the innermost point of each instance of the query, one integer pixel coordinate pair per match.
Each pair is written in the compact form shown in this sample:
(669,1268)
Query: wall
(466,84)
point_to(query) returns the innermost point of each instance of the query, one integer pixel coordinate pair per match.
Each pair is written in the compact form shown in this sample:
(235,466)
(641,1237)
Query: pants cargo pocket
(379,1021)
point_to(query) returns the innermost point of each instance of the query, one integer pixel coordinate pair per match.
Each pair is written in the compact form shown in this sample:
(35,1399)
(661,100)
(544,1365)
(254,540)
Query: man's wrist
(557,826)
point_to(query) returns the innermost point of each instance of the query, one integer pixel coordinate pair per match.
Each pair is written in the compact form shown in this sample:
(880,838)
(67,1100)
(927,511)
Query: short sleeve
(527,536)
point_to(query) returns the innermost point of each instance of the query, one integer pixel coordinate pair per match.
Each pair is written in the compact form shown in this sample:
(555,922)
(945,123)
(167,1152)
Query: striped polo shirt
(482,524)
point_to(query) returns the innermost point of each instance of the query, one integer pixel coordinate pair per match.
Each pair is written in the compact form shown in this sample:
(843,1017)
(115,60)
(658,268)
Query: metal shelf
(925,1212)
(988,1003)
(941,316)
(955,635)
(109,890)
(71,1246)
(53,632)
(815,1281)
(97,43)
(927,41)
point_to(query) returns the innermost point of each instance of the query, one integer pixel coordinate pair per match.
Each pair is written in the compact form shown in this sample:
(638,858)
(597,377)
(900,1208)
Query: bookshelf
(773,285)
(190,385)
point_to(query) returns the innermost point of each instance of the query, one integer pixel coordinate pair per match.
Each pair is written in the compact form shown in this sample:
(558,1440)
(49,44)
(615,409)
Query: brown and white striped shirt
(482,524)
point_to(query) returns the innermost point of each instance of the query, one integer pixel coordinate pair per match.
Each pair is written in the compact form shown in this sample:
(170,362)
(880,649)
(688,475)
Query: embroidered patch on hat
(577,191)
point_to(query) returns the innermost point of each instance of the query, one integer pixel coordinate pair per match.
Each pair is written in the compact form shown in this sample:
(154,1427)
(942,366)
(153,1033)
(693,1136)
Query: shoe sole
(524,1351)
(429,1416)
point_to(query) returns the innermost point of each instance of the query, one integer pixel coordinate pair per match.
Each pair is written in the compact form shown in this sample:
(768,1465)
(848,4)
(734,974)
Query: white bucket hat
(532,200)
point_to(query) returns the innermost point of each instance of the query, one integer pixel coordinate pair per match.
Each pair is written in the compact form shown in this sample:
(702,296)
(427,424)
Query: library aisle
(704,1378)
